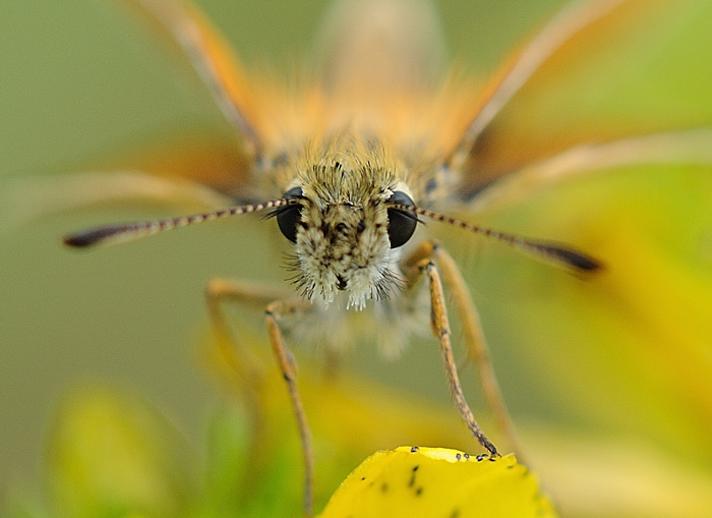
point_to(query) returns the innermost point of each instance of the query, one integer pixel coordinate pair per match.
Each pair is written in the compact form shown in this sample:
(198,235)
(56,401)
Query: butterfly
(350,164)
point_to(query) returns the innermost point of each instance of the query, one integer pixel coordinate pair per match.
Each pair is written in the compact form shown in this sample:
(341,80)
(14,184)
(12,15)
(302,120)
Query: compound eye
(289,216)
(401,223)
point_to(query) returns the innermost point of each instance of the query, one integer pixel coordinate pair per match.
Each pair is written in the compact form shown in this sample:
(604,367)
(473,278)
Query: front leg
(285,361)
(477,349)
(421,261)
(441,330)
(475,341)
(245,367)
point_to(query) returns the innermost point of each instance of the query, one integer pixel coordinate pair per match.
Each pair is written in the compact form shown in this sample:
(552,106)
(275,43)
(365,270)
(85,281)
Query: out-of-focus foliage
(111,456)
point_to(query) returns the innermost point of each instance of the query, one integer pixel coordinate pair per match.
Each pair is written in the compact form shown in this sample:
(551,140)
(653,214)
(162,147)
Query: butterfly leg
(239,360)
(245,366)
(285,361)
(477,348)
(421,263)
(474,337)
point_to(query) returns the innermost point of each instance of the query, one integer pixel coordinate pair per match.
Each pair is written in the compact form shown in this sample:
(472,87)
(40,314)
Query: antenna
(121,232)
(548,250)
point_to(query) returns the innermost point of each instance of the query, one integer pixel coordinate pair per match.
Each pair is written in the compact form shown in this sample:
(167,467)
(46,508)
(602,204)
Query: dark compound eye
(401,223)
(288,217)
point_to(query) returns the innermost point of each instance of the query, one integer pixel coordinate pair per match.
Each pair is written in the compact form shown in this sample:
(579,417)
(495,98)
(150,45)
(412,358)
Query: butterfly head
(346,238)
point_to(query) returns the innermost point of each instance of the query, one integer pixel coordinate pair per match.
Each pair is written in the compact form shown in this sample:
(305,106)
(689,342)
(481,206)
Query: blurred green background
(625,358)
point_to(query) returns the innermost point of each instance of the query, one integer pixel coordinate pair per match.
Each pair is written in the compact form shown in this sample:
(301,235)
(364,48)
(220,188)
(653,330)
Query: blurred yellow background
(622,361)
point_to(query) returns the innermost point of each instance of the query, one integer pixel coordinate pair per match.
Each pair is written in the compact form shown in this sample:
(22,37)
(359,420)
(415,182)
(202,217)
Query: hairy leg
(245,366)
(285,361)
(419,263)
(477,348)
(239,359)
(474,337)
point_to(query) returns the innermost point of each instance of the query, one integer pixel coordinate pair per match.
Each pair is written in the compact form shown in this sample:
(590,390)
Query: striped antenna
(122,232)
(551,251)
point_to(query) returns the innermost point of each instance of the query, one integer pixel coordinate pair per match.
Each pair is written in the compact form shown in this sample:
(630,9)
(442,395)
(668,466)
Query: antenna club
(129,231)
(562,254)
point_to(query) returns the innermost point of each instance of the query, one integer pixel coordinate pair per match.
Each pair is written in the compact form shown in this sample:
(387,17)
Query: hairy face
(346,238)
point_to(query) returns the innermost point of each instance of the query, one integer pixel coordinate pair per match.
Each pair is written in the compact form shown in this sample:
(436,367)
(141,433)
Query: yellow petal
(408,482)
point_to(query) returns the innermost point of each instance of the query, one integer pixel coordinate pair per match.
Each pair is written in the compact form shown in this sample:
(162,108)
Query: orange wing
(599,71)
(207,159)
(186,28)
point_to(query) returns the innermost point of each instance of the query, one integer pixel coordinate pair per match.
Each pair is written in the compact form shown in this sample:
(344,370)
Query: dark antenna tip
(128,231)
(558,253)
(76,241)
(92,236)
(577,260)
